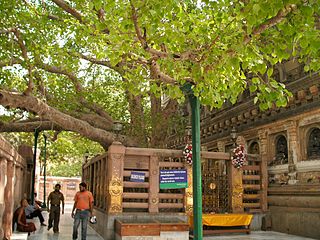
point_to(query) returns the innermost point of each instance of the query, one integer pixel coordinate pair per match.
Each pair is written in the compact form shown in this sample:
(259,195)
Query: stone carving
(115,187)
(281,156)
(115,191)
(281,179)
(115,208)
(189,210)
(292,174)
(117,156)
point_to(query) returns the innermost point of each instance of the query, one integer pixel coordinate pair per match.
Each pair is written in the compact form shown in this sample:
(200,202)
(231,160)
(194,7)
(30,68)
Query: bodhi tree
(78,65)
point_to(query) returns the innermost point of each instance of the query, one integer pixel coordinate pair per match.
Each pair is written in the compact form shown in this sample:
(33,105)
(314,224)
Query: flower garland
(187,153)
(239,157)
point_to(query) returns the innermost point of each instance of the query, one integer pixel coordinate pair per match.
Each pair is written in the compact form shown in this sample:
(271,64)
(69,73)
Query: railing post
(116,154)
(154,184)
(235,188)
(188,200)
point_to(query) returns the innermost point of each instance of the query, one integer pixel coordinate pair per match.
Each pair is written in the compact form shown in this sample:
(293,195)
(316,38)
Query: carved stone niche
(278,149)
(313,145)
(310,142)
(253,147)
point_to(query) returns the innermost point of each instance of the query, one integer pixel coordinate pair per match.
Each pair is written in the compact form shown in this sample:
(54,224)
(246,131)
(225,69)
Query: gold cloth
(224,220)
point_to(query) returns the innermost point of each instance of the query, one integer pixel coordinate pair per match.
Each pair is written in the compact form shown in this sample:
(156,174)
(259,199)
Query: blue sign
(170,179)
(137,177)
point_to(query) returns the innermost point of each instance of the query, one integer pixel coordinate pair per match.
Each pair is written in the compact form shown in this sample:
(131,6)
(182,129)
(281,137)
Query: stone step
(19,235)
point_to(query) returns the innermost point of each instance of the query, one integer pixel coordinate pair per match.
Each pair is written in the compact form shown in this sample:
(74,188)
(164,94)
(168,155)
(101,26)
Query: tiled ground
(66,224)
(65,227)
(258,235)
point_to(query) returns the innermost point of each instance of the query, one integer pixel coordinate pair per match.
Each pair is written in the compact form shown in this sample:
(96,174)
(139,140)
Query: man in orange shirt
(82,209)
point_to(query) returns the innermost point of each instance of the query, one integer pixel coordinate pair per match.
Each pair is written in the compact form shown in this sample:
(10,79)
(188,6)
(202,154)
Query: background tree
(76,66)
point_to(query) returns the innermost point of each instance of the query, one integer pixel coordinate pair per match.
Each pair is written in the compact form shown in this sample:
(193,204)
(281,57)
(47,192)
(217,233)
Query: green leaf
(97,4)
(274,84)
(270,72)
(253,88)
(256,8)
(255,80)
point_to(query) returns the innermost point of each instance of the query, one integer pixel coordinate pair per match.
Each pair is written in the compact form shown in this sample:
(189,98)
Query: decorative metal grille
(214,187)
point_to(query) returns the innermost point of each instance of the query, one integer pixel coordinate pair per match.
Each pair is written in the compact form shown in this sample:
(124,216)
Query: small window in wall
(281,153)
(314,144)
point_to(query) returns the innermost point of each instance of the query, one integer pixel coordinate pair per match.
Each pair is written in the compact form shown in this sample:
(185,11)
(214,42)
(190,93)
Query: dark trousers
(36,213)
(54,217)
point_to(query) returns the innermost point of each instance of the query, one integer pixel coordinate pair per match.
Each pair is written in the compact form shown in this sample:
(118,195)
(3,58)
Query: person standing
(82,209)
(55,199)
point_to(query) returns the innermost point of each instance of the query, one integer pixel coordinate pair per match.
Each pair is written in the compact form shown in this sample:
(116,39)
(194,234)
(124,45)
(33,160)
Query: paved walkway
(66,224)
(258,235)
(65,228)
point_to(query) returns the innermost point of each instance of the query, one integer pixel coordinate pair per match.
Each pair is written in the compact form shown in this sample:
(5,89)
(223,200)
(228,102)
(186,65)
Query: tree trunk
(138,125)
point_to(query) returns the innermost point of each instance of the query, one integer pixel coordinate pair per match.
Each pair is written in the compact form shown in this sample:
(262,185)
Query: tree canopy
(79,65)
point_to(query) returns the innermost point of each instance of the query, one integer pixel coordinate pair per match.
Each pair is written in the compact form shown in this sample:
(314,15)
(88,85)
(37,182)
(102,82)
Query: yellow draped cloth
(224,220)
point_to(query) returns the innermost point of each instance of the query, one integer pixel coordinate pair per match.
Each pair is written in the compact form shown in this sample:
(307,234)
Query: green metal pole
(33,176)
(44,170)
(196,167)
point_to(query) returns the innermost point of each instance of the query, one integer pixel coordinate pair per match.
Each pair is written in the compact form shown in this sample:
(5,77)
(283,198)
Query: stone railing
(117,197)
(110,173)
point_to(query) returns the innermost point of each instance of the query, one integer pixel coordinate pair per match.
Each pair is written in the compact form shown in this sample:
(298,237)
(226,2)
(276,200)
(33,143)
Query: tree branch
(66,122)
(95,120)
(157,74)
(10,62)
(66,7)
(93,60)
(62,71)
(78,88)
(28,126)
(271,22)
(55,136)
(24,51)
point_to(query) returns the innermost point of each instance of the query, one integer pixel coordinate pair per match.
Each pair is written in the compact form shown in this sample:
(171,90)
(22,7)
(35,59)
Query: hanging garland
(187,153)
(239,157)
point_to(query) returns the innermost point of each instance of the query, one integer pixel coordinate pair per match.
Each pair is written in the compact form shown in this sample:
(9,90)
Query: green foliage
(213,44)
(65,155)
(213,31)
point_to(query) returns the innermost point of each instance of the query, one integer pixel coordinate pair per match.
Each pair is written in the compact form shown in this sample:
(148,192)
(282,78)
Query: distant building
(69,186)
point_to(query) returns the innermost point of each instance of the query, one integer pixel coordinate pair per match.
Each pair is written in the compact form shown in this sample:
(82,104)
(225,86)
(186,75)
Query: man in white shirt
(32,211)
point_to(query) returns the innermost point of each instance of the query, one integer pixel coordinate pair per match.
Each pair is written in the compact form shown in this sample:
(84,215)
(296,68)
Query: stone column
(293,143)
(116,154)
(264,168)
(8,201)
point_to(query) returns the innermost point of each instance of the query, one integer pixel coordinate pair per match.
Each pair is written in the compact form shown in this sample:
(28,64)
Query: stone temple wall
(14,179)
